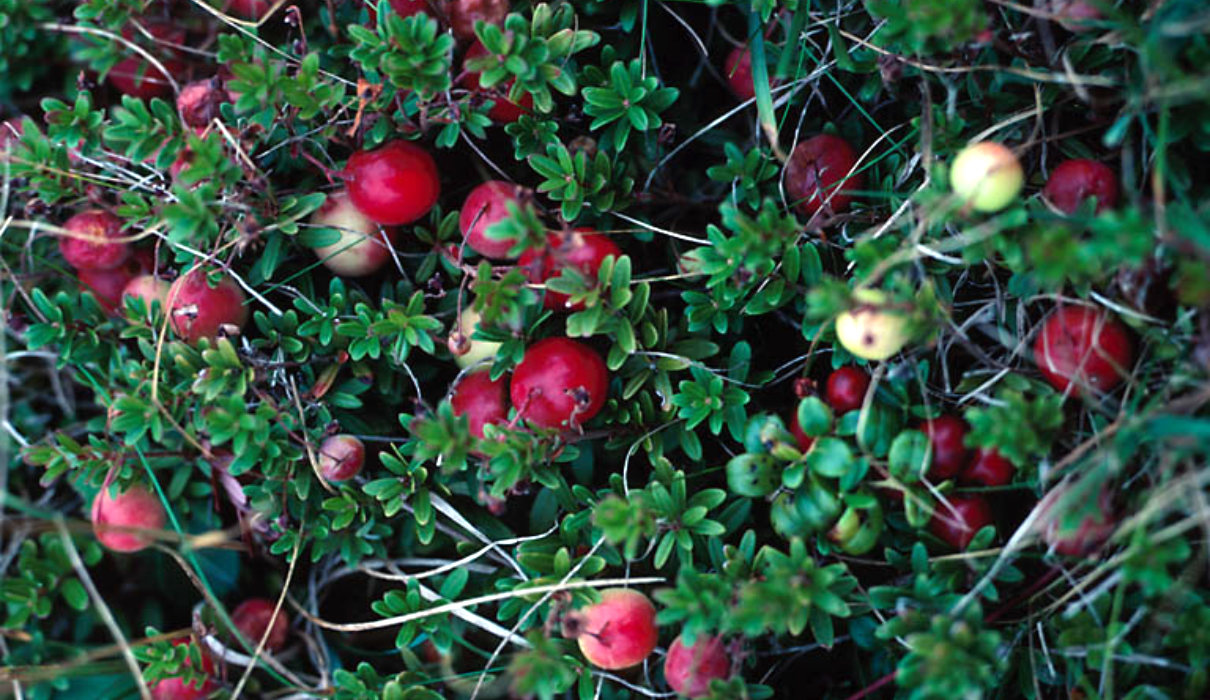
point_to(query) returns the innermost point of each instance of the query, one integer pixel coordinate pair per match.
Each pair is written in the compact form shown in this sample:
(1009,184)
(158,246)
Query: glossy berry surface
(689,669)
(252,618)
(341,457)
(803,440)
(362,247)
(616,633)
(559,383)
(85,245)
(846,388)
(947,437)
(987,176)
(136,76)
(1083,347)
(1073,181)
(958,525)
(821,173)
(481,400)
(987,468)
(583,249)
(738,72)
(393,184)
(463,14)
(196,310)
(503,110)
(136,507)
(484,206)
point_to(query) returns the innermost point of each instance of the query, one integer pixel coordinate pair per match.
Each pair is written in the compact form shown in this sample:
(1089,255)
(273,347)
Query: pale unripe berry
(149,288)
(361,249)
(616,633)
(869,330)
(987,176)
(478,350)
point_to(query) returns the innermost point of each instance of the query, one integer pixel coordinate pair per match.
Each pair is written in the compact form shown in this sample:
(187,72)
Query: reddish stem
(880,683)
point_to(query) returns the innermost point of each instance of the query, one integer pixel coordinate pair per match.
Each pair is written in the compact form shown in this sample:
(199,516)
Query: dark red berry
(559,383)
(804,441)
(738,71)
(481,400)
(989,468)
(136,76)
(484,206)
(1073,181)
(463,14)
(252,618)
(959,522)
(393,184)
(1085,347)
(196,310)
(947,435)
(584,249)
(503,110)
(815,172)
(249,9)
(84,246)
(846,389)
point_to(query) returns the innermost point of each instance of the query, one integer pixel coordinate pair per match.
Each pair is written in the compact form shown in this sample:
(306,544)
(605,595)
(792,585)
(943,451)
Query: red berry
(503,110)
(136,507)
(689,670)
(484,206)
(84,245)
(464,13)
(396,183)
(403,8)
(249,9)
(583,249)
(107,285)
(989,468)
(197,310)
(616,633)
(846,389)
(738,71)
(136,76)
(149,288)
(481,400)
(947,435)
(1096,525)
(1083,347)
(815,171)
(1073,181)
(198,102)
(804,441)
(559,383)
(252,617)
(341,457)
(361,249)
(959,525)
(177,689)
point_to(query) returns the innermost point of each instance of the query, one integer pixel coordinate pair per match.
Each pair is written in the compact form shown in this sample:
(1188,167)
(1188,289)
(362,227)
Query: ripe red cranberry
(84,246)
(583,249)
(403,8)
(196,310)
(689,669)
(503,110)
(559,383)
(252,617)
(393,184)
(947,435)
(1073,181)
(1083,347)
(804,441)
(361,250)
(989,468)
(738,71)
(136,507)
(178,689)
(846,389)
(481,400)
(108,286)
(198,102)
(484,206)
(815,171)
(341,457)
(136,76)
(464,13)
(959,525)
(616,633)
(249,9)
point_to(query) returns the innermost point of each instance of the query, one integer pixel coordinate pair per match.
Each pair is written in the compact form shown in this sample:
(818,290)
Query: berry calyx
(393,184)
(86,244)
(689,669)
(486,205)
(821,175)
(988,468)
(616,633)
(958,523)
(481,400)
(1083,347)
(136,507)
(846,388)
(870,330)
(583,249)
(947,436)
(362,247)
(341,457)
(559,383)
(1073,181)
(252,618)
(987,176)
(503,111)
(196,310)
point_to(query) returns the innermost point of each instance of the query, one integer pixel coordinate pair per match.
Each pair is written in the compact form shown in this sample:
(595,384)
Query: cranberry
(959,525)
(136,507)
(396,183)
(252,617)
(846,389)
(1083,347)
(197,310)
(559,383)
(989,468)
(464,13)
(689,669)
(84,246)
(249,9)
(403,8)
(178,689)
(1073,181)
(815,172)
(503,110)
(583,249)
(481,400)
(804,441)
(1096,525)
(136,76)
(947,435)
(738,71)
(361,249)
(341,457)
(198,102)
(616,633)
(484,206)
(107,285)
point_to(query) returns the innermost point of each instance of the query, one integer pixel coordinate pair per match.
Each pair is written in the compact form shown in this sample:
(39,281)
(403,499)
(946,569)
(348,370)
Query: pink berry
(396,183)
(503,110)
(149,288)
(989,468)
(616,633)
(136,507)
(583,249)
(136,76)
(198,102)
(84,246)
(846,389)
(689,669)
(197,310)
(487,204)
(959,525)
(559,383)
(463,14)
(1085,347)
(815,172)
(481,400)
(947,435)
(341,457)
(177,689)
(252,617)
(361,249)
(1073,181)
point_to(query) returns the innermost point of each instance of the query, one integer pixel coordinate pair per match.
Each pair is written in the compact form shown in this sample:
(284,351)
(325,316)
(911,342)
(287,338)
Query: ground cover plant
(604,348)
